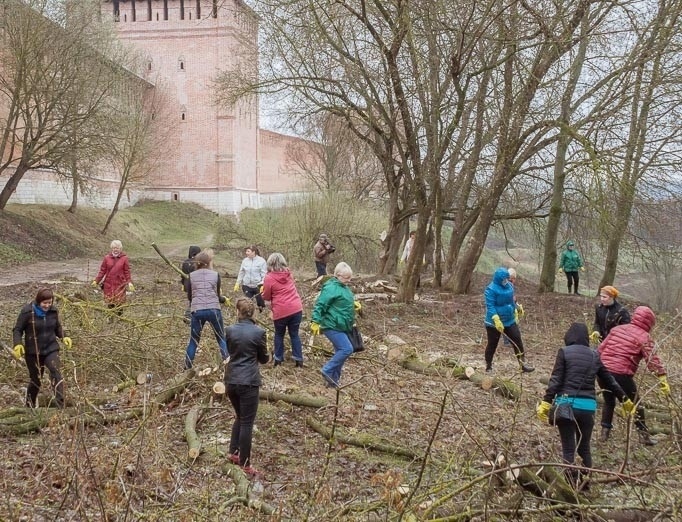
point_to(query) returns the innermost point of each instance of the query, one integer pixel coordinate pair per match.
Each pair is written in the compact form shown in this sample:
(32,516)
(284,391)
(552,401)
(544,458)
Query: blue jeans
(292,322)
(213,316)
(244,399)
(321,268)
(343,349)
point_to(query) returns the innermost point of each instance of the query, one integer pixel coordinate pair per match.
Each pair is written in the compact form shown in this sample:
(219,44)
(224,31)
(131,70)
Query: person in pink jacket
(621,352)
(279,289)
(114,277)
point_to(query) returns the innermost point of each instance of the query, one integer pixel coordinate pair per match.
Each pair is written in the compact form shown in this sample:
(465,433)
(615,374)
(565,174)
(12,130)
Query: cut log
(362,440)
(374,297)
(174,386)
(469,371)
(500,386)
(193,441)
(219,388)
(142,377)
(123,385)
(298,400)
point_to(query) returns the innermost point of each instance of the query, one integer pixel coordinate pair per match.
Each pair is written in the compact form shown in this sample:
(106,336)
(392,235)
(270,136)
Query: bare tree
(59,71)
(141,141)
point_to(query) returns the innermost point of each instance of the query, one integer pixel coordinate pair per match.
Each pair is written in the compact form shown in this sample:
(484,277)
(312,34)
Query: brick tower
(184,44)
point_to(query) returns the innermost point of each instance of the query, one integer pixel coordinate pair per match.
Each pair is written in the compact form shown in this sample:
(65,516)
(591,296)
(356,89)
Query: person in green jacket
(571,264)
(334,315)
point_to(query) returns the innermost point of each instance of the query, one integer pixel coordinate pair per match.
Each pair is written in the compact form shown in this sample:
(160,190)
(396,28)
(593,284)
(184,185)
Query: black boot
(645,438)
(299,364)
(604,435)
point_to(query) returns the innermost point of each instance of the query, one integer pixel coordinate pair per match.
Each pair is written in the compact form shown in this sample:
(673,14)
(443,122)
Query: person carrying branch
(251,274)
(205,300)
(35,337)
(188,266)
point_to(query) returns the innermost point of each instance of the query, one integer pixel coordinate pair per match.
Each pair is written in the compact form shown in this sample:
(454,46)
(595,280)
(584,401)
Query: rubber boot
(645,438)
(604,436)
(526,368)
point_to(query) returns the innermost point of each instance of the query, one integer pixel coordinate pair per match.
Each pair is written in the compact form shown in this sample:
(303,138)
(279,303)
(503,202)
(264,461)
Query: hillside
(429,437)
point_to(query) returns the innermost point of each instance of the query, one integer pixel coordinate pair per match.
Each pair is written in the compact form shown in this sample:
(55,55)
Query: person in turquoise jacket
(501,316)
(334,315)
(571,264)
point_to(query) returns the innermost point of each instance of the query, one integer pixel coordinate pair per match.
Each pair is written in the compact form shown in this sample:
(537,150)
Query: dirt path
(81,269)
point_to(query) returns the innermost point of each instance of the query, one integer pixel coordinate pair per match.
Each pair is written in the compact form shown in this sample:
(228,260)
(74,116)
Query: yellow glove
(520,310)
(542,411)
(582,268)
(236,287)
(561,270)
(357,306)
(664,387)
(18,351)
(315,328)
(498,323)
(260,288)
(628,406)
(68,343)
(516,316)
(131,287)
(94,284)
(224,300)
(595,337)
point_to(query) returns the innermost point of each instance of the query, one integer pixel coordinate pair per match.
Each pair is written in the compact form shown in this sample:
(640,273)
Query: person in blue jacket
(501,316)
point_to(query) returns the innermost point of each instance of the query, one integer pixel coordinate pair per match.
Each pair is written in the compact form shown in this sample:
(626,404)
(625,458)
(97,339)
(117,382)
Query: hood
(500,275)
(281,277)
(577,334)
(644,317)
(193,251)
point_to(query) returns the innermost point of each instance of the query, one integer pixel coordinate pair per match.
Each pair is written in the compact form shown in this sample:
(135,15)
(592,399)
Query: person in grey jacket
(251,274)
(205,300)
(242,380)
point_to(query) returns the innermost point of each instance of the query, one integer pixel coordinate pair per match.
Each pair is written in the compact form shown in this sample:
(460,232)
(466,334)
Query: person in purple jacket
(279,289)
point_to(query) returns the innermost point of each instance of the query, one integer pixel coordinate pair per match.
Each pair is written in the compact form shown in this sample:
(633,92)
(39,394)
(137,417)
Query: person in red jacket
(114,277)
(621,352)
(279,289)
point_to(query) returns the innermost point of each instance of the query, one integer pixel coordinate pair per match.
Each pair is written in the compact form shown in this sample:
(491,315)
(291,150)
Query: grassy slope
(43,232)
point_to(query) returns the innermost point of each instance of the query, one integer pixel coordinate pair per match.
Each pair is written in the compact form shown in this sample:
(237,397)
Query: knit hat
(611,290)
(570,243)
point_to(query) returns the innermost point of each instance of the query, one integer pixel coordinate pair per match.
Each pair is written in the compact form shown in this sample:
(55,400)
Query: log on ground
(362,440)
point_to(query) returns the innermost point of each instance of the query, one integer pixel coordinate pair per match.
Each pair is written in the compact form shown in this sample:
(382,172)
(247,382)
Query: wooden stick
(182,274)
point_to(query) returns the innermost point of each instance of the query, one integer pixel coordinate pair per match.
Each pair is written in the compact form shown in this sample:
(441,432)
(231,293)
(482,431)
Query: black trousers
(572,279)
(514,335)
(627,382)
(36,367)
(576,435)
(254,291)
(244,399)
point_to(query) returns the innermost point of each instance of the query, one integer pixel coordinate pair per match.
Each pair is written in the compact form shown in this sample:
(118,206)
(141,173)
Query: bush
(353,228)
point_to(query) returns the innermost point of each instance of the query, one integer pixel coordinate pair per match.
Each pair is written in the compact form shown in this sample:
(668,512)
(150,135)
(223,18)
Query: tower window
(181,63)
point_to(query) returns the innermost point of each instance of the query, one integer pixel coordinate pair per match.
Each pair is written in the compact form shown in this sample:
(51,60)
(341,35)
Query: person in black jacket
(38,324)
(607,314)
(572,382)
(188,266)
(248,347)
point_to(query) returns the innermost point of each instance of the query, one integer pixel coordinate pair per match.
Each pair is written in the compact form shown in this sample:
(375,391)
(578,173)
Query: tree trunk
(75,183)
(12,184)
(548,272)
(114,210)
